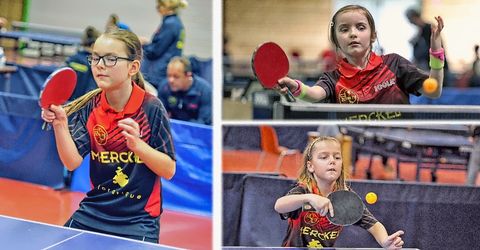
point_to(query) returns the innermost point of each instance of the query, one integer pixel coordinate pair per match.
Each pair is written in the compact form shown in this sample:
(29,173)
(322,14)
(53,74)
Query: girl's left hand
(435,38)
(131,131)
(393,241)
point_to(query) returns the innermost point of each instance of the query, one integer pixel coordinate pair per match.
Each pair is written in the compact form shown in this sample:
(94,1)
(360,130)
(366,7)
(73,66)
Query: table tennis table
(24,234)
(43,38)
(430,147)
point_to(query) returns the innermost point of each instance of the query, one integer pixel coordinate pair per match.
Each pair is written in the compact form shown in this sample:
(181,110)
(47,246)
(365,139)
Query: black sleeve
(297,189)
(367,220)
(161,139)
(78,129)
(410,78)
(328,81)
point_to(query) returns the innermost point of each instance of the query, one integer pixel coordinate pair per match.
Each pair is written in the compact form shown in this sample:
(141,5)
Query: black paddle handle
(289,95)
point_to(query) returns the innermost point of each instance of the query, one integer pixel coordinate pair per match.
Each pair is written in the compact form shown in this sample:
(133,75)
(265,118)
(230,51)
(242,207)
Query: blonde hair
(307,178)
(173,4)
(134,52)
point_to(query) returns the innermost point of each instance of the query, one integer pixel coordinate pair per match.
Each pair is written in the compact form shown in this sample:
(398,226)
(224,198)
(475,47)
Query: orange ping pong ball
(371,197)
(430,85)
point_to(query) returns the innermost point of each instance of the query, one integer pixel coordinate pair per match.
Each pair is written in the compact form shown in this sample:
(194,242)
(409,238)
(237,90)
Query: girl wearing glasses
(127,134)
(167,41)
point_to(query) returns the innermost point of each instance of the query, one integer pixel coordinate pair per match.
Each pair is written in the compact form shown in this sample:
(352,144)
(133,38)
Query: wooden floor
(44,204)
(247,161)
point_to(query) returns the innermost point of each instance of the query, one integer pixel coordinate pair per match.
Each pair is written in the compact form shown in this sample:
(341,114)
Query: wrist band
(436,63)
(301,90)
(440,54)
(298,90)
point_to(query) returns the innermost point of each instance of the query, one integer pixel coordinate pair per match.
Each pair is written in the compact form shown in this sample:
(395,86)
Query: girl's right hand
(286,83)
(55,115)
(321,204)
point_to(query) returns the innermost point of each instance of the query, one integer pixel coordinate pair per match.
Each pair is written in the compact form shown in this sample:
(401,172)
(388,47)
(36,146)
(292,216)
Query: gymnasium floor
(44,204)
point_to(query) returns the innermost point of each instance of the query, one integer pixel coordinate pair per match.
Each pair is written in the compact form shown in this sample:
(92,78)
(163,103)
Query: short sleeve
(297,189)
(367,220)
(161,139)
(78,129)
(327,82)
(410,78)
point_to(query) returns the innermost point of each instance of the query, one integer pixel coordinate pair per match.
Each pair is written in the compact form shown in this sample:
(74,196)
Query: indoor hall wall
(294,25)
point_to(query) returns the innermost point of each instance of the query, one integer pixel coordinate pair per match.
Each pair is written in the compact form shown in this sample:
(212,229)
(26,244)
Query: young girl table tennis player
(321,174)
(363,76)
(127,133)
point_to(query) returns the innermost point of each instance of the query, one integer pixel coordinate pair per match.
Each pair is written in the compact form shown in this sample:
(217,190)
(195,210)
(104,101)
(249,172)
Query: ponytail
(139,80)
(78,103)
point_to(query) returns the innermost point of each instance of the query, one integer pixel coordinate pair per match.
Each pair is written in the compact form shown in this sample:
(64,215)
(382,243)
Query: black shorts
(75,224)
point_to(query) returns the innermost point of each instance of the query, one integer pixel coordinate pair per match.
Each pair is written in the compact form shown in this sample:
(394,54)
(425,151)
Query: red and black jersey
(387,79)
(307,228)
(125,195)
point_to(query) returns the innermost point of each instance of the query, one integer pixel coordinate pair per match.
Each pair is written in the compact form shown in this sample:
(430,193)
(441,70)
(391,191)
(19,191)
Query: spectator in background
(167,41)
(474,160)
(475,78)
(328,59)
(79,63)
(113,22)
(421,44)
(186,96)
(3,24)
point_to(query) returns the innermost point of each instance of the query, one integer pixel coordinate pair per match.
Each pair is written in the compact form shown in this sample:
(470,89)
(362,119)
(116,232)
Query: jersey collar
(133,104)
(348,70)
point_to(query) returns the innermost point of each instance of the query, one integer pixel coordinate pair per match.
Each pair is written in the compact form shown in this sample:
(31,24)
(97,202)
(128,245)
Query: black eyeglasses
(108,60)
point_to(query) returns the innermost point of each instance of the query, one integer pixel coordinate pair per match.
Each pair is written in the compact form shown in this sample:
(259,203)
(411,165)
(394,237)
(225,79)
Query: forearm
(67,150)
(315,94)
(379,232)
(160,163)
(309,94)
(290,203)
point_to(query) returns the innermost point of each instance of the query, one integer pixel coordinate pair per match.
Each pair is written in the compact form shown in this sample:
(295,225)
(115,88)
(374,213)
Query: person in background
(186,96)
(421,43)
(474,160)
(167,41)
(475,77)
(113,22)
(3,24)
(79,63)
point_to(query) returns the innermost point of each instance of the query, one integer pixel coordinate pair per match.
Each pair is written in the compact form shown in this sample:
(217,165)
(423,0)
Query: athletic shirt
(193,105)
(387,79)
(307,228)
(125,195)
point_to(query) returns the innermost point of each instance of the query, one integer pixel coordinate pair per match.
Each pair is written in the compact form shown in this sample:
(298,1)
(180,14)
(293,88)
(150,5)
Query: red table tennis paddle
(348,207)
(269,64)
(58,88)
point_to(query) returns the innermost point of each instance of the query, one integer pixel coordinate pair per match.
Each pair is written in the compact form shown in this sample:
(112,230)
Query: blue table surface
(24,234)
